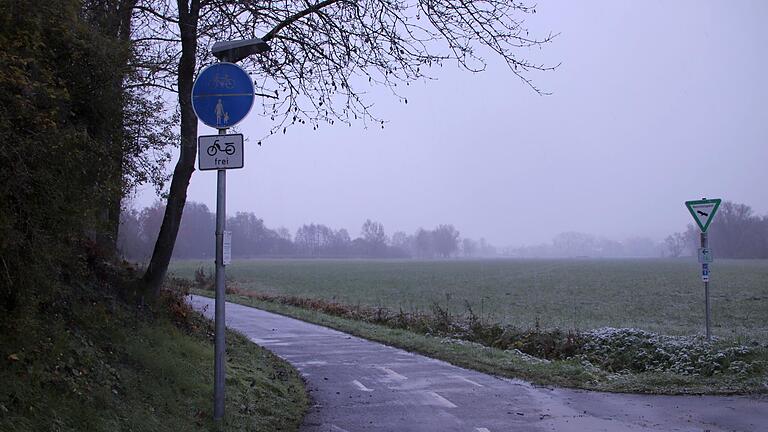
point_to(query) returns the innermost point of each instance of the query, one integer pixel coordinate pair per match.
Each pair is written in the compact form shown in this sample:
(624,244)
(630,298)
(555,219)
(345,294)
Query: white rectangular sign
(215,152)
(705,255)
(227,247)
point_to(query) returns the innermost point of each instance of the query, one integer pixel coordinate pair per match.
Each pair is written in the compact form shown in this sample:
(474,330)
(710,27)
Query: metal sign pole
(703,212)
(221,97)
(705,270)
(219,343)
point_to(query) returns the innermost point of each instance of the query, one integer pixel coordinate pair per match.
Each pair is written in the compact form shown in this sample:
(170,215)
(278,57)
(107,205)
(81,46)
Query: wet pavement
(359,385)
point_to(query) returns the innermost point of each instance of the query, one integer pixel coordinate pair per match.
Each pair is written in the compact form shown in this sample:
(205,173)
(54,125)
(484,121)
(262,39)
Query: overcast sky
(655,103)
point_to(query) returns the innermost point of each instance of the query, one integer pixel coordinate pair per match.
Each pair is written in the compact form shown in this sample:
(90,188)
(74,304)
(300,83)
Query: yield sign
(703,211)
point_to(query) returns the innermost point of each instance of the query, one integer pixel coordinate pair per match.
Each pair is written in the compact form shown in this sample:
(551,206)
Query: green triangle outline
(690,204)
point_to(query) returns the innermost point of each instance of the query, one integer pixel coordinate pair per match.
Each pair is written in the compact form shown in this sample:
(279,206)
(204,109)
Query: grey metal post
(705,244)
(219,363)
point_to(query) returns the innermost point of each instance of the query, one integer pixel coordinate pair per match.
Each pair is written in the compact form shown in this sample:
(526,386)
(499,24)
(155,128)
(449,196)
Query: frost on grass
(527,357)
(617,351)
(461,342)
(635,350)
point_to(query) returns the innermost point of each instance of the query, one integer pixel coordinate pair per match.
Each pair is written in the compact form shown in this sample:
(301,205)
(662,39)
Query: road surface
(359,385)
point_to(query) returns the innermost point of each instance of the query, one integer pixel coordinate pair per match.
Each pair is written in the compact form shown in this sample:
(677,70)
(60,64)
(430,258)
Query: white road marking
(263,341)
(335,428)
(468,380)
(360,386)
(271,342)
(392,374)
(482,430)
(441,400)
(311,363)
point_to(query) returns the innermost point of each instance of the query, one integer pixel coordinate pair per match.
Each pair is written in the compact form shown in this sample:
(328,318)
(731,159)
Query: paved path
(358,385)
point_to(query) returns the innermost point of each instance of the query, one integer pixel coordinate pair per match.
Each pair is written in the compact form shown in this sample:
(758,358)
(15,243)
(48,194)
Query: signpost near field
(703,211)
(222,96)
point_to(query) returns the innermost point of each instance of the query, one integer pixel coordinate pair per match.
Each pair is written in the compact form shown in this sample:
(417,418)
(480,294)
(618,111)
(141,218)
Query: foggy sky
(655,103)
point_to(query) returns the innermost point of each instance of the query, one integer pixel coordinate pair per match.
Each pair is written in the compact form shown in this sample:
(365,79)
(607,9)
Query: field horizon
(659,295)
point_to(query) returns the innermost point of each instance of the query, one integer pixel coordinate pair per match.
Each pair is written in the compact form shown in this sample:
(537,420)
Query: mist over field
(640,119)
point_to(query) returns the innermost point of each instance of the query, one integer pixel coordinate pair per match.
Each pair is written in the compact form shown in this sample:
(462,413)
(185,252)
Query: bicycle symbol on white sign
(229,148)
(217,152)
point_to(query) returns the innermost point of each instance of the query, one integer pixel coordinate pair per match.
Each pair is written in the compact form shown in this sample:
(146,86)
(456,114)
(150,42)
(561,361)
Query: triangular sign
(703,211)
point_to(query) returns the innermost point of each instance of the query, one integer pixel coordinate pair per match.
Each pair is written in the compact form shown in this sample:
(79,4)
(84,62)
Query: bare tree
(446,240)
(675,244)
(402,244)
(324,57)
(375,238)
(313,239)
(424,243)
(468,247)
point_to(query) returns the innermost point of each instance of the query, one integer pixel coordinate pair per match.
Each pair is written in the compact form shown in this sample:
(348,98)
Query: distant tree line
(576,244)
(735,232)
(252,238)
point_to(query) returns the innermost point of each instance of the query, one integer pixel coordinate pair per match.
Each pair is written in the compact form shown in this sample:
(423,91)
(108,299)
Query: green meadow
(659,295)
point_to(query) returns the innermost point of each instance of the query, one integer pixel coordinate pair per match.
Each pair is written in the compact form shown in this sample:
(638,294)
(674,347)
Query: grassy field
(664,296)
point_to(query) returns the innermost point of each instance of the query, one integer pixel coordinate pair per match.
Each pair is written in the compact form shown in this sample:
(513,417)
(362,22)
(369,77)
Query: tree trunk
(189,12)
(121,29)
(114,20)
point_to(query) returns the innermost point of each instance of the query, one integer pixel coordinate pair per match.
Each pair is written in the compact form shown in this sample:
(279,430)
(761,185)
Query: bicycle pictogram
(229,148)
(223,81)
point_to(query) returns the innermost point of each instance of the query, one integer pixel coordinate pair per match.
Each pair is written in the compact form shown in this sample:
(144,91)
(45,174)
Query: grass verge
(88,361)
(568,371)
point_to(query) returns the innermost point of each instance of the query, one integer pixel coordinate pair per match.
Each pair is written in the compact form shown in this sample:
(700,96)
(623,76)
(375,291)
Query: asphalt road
(359,385)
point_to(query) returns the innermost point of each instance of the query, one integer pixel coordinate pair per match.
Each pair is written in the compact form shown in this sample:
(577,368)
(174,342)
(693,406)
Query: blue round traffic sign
(222,95)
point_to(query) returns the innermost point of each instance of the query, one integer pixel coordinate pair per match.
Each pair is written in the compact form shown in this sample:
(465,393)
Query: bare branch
(295,17)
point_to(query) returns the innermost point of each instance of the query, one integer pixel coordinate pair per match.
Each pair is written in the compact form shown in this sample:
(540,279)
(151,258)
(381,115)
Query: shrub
(610,349)
(635,350)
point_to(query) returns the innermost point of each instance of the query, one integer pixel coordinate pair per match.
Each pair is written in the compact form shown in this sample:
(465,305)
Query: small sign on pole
(705,272)
(216,152)
(705,255)
(227,247)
